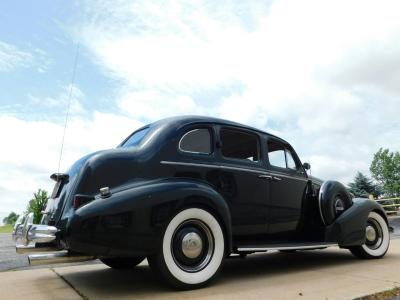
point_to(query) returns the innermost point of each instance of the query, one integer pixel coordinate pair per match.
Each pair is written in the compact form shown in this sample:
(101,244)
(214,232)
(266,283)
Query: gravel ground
(9,259)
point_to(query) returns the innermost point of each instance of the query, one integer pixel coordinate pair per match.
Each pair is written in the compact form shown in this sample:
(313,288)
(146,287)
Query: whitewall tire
(192,250)
(377,238)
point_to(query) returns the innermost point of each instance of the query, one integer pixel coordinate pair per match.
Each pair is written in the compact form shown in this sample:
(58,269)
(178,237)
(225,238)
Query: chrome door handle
(263,176)
(276,178)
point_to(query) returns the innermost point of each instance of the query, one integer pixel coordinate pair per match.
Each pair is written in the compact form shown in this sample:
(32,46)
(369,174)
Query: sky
(324,75)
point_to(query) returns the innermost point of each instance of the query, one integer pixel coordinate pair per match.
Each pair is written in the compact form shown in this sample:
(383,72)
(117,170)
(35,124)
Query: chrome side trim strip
(260,249)
(164,162)
(261,172)
(320,194)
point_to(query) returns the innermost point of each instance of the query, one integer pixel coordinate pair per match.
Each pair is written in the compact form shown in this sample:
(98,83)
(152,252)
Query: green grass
(386,295)
(6,229)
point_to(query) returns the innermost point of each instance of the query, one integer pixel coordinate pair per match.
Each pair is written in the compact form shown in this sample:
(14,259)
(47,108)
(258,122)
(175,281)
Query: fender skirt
(349,228)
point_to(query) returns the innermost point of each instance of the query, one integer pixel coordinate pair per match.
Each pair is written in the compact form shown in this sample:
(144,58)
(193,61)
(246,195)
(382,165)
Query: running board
(285,247)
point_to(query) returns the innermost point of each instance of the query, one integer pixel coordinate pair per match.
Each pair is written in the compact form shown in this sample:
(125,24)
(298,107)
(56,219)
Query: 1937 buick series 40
(185,193)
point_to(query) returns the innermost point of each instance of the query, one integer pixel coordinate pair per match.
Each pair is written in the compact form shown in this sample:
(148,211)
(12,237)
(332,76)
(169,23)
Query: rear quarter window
(196,141)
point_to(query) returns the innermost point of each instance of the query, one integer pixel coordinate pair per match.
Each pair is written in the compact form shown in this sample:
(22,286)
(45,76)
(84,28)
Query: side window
(291,164)
(239,145)
(276,155)
(280,156)
(196,141)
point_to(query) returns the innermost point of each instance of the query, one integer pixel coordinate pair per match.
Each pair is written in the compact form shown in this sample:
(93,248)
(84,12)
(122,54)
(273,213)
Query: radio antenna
(69,105)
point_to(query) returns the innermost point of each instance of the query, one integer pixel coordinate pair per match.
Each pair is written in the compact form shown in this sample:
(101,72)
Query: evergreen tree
(363,187)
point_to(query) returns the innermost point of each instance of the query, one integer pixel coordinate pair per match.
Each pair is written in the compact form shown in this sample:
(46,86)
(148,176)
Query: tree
(363,186)
(37,205)
(11,218)
(385,169)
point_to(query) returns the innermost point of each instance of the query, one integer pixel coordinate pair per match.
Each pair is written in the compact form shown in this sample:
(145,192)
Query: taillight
(80,200)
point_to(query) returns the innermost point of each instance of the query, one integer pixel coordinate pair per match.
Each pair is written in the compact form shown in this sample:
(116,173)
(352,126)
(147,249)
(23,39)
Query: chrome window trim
(195,152)
(261,172)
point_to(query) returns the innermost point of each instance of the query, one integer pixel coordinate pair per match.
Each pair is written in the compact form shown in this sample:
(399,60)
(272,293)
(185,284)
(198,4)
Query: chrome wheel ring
(373,234)
(192,245)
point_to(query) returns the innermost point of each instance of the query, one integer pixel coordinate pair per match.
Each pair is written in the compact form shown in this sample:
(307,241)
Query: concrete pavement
(320,274)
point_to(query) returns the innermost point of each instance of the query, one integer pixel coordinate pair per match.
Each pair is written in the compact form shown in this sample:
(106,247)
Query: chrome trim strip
(320,194)
(257,249)
(164,162)
(260,172)
(194,152)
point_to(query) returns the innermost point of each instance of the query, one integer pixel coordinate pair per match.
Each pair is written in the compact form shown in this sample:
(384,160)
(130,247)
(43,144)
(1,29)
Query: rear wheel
(192,250)
(377,238)
(122,263)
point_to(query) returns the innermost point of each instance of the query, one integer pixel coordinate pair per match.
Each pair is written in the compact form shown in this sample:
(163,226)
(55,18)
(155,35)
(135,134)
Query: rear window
(240,145)
(196,141)
(135,138)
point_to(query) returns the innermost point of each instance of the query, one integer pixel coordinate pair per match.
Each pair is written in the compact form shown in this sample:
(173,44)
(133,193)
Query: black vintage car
(187,192)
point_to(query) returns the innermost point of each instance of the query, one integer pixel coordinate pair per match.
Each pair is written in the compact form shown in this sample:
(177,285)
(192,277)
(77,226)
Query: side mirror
(306,166)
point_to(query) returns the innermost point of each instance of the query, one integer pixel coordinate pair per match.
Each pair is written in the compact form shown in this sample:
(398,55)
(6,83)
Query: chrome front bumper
(26,234)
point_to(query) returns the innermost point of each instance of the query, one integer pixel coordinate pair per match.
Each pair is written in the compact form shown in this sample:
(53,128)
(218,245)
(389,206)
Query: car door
(243,189)
(287,190)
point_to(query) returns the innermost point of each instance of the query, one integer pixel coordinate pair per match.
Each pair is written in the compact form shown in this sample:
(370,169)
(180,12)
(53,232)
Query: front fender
(133,220)
(349,228)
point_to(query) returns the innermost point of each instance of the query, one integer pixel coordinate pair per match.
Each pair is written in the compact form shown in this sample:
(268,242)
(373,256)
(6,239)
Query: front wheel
(377,238)
(192,250)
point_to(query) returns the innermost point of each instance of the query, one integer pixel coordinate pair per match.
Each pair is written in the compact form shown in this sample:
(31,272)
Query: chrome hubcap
(370,233)
(192,245)
(373,234)
(339,206)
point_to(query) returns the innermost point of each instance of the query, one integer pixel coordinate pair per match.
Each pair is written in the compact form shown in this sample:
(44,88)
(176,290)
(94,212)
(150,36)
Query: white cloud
(11,57)
(153,105)
(323,75)
(32,151)
(70,95)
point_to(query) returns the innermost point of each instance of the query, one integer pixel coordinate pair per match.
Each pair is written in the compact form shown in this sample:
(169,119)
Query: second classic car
(187,192)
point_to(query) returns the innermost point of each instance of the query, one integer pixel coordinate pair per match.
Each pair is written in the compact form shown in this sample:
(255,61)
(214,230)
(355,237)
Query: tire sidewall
(204,275)
(382,249)
(331,191)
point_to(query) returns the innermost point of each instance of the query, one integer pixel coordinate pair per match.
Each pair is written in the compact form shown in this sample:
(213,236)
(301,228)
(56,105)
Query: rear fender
(349,228)
(146,211)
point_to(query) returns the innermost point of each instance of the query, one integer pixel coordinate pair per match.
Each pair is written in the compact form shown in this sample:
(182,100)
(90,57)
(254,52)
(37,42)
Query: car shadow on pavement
(100,281)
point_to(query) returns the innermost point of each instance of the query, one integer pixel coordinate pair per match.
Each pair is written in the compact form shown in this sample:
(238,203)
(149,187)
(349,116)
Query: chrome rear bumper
(57,258)
(31,238)
(26,234)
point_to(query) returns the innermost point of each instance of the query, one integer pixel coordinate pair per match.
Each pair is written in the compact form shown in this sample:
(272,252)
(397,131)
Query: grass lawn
(6,229)
(387,295)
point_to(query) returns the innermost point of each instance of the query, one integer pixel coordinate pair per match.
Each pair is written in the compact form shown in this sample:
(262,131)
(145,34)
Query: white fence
(390,205)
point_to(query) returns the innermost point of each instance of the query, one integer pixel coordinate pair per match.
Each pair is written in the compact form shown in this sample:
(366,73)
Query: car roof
(180,121)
